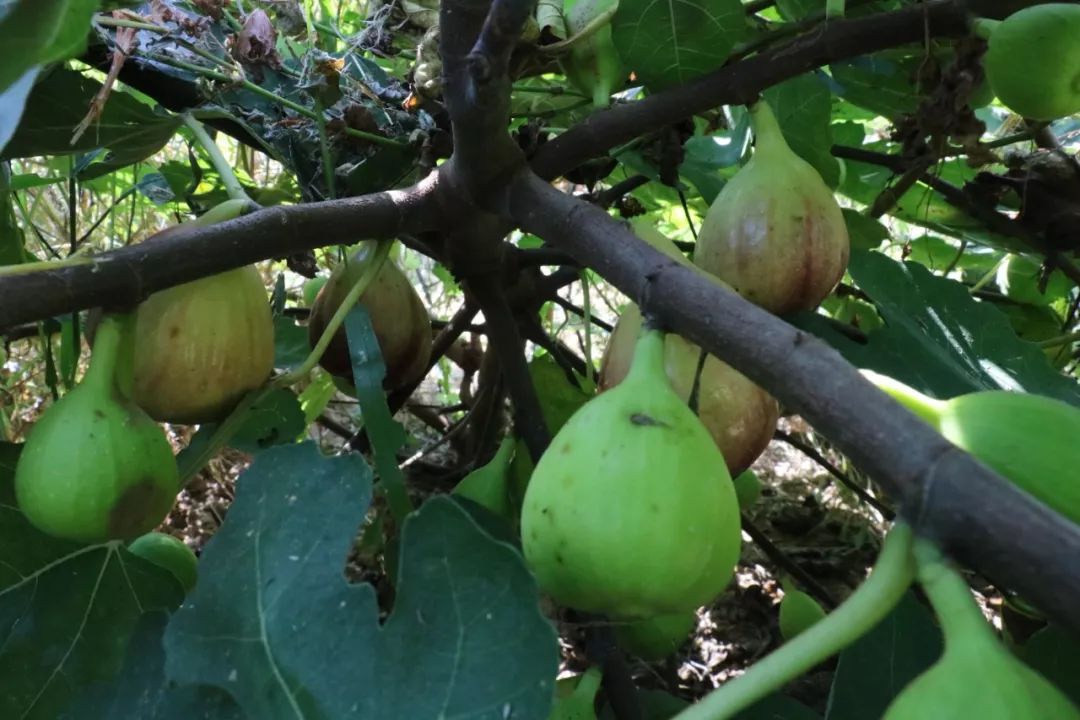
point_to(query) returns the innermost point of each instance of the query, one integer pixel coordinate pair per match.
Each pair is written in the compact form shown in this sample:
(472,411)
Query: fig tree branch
(976,515)
(181,254)
(740,82)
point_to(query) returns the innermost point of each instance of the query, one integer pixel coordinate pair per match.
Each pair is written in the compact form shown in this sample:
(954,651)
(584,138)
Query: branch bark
(185,253)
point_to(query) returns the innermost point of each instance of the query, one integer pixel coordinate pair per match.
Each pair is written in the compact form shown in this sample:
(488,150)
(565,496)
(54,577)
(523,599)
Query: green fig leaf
(777,707)
(937,338)
(129,130)
(36,32)
(668,44)
(872,671)
(291,347)
(141,691)
(803,109)
(67,608)
(878,82)
(272,604)
(865,232)
(705,155)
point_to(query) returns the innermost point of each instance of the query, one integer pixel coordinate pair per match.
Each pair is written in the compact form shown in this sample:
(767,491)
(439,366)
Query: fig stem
(926,407)
(379,256)
(112,358)
(217,159)
(647,364)
(834,9)
(862,611)
(949,595)
(767,133)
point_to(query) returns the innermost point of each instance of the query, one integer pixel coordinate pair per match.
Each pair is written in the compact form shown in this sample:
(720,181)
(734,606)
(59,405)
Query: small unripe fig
(202,346)
(747,489)
(1029,439)
(96,467)
(739,414)
(631,511)
(401,322)
(575,697)
(593,65)
(775,232)
(975,677)
(1033,60)
(656,638)
(489,485)
(798,611)
(169,553)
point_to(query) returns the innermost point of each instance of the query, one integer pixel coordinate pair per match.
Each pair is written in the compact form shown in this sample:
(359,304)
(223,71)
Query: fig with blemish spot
(631,511)
(96,467)
(775,233)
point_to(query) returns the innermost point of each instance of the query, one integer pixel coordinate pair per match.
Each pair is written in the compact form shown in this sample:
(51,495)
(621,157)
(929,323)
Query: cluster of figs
(186,355)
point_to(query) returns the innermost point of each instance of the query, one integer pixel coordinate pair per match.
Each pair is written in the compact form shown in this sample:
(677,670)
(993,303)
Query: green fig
(96,467)
(798,611)
(1018,277)
(203,345)
(490,485)
(740,416)
(401,322)
(775,233)
(575,697)
(656,638)
(747,489)
(1029,439)
(975,677)
(631,511)
(170,553)
(1033,60)
(592,65)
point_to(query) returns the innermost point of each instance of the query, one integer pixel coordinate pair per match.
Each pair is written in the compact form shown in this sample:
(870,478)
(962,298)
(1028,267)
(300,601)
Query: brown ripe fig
(401,322)
(740,415)
(202,346)
(775,232)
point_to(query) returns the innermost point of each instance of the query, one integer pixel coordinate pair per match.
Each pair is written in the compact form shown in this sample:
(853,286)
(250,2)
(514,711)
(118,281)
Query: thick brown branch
(740,82)
(978,516)
(184,253)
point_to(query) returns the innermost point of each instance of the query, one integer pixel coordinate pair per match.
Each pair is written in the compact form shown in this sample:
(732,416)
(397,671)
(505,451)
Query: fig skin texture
(1033,61)
(169,553)
(96,467)
(739,414)
(401,322)
(775,232)
(631,511)
(202,346)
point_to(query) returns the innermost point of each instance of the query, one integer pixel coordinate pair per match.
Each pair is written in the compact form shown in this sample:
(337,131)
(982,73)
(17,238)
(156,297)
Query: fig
(592,65)
(202,346)
(739,415)
(1028,439)
(169,553)
(656,638)
(798,611)
(631,511)
(401,322)
(96,467)
(1033,60)
(1019,279)
(775,233)
(575,697)
(490,485)
(747,489)
(975,677)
